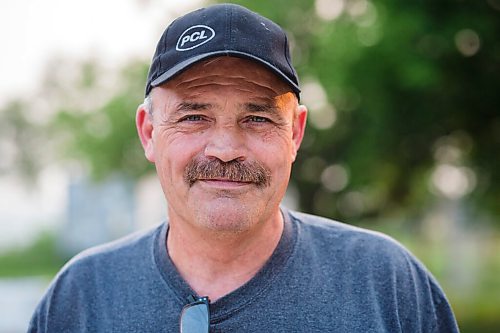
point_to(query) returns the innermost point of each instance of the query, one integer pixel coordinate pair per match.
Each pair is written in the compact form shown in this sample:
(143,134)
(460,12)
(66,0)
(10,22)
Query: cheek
(279,142)
(275,150)
(172,156)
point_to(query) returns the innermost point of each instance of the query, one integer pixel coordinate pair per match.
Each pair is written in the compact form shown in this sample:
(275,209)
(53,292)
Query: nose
(226,143)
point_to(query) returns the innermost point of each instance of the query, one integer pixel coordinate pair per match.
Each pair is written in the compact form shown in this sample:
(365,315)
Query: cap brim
(182,66)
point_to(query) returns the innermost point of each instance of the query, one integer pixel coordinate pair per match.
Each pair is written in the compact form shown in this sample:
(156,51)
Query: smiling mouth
(224,182)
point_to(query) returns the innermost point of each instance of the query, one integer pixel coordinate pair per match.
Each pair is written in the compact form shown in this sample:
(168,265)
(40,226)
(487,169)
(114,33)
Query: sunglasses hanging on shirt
(195,316)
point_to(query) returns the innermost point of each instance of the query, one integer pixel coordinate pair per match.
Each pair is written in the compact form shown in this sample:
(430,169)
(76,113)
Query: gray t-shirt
(324,276)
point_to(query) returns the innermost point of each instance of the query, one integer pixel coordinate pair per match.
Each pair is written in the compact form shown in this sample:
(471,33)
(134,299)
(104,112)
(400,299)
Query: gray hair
(148,104)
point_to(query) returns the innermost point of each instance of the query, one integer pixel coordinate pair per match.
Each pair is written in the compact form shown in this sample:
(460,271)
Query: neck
(215,264)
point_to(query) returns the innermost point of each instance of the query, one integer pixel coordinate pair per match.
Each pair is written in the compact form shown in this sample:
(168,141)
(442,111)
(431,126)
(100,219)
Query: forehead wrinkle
(239,82)
(262,104)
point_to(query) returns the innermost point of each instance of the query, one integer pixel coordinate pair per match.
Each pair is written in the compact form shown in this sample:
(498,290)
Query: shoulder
(110,258)
(120,248)
(109,262)
(364,252)
(371,264)
(357,249)
(334,233)
(92,278)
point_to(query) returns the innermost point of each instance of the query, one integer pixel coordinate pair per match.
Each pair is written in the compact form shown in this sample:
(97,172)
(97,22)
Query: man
(222,124)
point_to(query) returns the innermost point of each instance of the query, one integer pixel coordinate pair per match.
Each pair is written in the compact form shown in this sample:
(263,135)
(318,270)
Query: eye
(257,119)
(192,117)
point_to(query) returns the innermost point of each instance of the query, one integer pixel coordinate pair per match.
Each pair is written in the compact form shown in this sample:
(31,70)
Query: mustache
(251,172)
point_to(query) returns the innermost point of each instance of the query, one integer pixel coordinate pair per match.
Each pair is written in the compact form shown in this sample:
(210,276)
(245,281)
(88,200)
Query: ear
(144,124)
(299,127)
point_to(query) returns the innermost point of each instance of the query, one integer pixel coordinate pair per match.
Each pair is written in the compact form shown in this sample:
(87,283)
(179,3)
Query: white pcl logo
(194,36)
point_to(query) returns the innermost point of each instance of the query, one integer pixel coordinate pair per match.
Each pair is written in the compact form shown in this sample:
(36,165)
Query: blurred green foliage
(17,130)
(41,258)
(104,136)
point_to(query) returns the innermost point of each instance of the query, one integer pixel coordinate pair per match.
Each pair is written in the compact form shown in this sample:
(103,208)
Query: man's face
(223,137)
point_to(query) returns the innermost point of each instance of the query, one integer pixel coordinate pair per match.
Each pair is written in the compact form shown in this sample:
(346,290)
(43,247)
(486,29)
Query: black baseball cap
(221,30)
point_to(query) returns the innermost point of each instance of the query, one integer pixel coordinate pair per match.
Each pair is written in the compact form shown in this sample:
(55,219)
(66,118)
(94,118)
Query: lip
(223,183)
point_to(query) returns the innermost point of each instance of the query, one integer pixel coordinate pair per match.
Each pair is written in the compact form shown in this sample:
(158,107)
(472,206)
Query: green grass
(41,258)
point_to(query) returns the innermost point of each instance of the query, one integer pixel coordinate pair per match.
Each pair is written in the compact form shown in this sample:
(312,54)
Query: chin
(227,217)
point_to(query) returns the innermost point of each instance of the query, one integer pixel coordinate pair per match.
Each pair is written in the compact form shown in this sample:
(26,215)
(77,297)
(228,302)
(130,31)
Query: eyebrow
(269,108)
(266,107)
(193,106)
